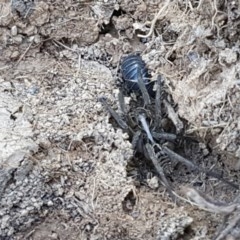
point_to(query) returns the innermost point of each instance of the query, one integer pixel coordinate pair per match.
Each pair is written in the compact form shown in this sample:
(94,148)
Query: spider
(144,121)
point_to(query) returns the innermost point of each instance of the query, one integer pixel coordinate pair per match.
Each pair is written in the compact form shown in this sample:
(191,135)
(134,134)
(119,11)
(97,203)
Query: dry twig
(25,52)
(204,202)
(155,20)
(229,228)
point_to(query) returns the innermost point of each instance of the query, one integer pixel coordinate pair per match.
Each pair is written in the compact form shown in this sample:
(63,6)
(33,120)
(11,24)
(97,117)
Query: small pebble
(33,90)
(14,30)
(153,182)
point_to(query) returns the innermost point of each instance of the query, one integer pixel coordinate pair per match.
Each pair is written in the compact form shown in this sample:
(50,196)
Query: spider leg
(171,137)
(122,124)
(173,116)
(178,141)
(219,177)
(142,119)
(164,136)
(122,102)
(143,89)
(128,118)
(165,162)
(174,156)
(184,161)
(158,110)
(135,139)
(158,167)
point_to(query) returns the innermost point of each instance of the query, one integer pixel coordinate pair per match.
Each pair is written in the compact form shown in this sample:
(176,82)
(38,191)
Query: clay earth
(64,167)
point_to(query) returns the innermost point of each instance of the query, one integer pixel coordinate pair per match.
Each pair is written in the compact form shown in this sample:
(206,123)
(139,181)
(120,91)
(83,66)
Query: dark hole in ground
(129,202)
(109,28)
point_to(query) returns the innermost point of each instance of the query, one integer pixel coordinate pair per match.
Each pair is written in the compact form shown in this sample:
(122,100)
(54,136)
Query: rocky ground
(64,166)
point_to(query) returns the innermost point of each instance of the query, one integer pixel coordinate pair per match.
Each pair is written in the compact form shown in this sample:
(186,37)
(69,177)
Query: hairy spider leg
(159,169)
(127,118)
(174,156)
(122,102)
(158,110)
(122,124)
(144,91)
(164,136)
(173,116)
(142,119)
(135,139)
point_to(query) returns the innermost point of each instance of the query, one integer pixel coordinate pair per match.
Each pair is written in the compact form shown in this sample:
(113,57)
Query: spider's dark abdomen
(132,68)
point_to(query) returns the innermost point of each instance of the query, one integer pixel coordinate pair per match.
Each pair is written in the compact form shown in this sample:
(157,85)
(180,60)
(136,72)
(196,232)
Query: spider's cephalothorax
(151,122)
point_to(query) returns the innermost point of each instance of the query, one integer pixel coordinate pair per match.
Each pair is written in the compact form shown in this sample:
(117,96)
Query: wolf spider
(143,123)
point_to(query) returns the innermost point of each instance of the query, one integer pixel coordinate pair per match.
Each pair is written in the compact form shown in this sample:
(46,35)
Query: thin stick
(155,20)
(200,4)
(204,202)
(25,52)
(229,228)
(63,45)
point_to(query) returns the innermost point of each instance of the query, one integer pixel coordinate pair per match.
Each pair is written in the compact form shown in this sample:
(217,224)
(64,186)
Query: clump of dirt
(205,65)
(63,166)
